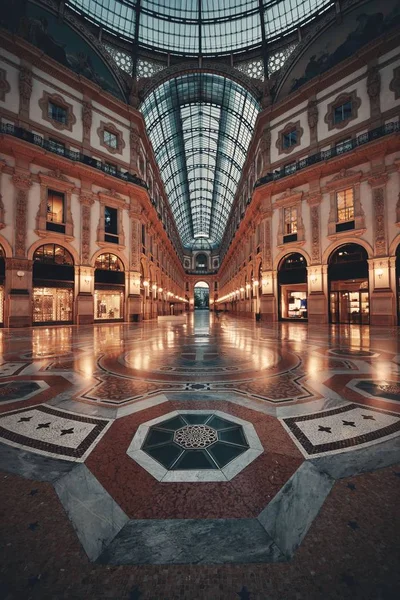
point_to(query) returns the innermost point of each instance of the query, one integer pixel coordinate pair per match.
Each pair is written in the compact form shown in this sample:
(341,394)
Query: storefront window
(52,305)
(294,305)
(108,304)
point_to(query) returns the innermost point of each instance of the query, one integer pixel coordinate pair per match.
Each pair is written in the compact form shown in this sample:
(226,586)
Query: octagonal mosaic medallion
(195,445)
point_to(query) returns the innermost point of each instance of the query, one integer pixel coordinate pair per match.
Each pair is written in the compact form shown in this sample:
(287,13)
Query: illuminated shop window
(345,205)
(290,215)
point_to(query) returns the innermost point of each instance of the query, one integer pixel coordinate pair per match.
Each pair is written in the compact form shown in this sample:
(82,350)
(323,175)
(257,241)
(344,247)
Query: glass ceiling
(200,27)
(200,125)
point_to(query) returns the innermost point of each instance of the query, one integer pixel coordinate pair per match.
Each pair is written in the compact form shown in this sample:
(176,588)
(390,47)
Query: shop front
(109,288)
(53,285)
(292,282)
(348,285)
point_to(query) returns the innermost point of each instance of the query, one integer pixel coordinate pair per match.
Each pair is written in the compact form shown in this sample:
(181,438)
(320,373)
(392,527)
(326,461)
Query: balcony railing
(340,149)
(201,271)
(38,140)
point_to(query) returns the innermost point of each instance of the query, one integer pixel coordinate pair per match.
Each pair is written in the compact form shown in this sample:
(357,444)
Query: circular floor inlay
(195,436)
(197,445)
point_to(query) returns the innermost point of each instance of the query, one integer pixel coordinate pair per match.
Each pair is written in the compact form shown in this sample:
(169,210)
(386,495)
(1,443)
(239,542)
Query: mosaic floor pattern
(227,430)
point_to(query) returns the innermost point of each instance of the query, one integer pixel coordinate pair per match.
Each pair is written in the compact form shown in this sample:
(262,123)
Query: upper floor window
(108,262)
(290,216)
(289,138)
(111,224)
(342,112)
(110,139)
(55,217)
(58,113)
(345,205)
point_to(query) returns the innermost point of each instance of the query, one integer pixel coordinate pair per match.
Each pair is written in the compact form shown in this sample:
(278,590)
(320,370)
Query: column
(19,268)
(85,297)
(268,305)
(135,308)
(317,301)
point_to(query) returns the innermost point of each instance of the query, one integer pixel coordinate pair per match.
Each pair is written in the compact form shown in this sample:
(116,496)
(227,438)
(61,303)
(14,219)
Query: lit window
(290,216)
(110,139)
(55,207)
(57,113)
(342,113)
(345,205)
(289,138)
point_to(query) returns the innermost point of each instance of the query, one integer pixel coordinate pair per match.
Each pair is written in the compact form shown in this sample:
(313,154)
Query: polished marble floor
(215,442)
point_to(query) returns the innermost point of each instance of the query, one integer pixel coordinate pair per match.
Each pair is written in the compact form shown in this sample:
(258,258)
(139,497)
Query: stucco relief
(395,83)
(4,85)
(25,90)
(374,89)
(86,203)
(312,118)
(22,183)
(315,245)
(87,117)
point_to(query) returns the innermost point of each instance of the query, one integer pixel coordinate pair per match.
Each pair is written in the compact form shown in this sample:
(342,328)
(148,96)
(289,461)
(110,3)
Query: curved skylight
(200,27)
(200,125)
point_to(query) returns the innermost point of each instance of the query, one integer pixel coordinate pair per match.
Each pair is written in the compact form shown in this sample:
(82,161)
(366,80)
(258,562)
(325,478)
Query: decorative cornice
(344,177)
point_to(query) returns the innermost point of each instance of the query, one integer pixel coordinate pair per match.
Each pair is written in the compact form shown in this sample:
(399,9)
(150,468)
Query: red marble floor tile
(141,496)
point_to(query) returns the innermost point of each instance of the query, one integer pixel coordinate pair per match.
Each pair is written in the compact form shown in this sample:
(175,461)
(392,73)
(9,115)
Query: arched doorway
(292,287)
(2,281)
(348,285)
(53,285)
(201,295)
(109,288)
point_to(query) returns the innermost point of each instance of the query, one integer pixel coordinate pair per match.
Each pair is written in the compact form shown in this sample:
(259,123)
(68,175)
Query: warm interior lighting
(379,272)
(145,283)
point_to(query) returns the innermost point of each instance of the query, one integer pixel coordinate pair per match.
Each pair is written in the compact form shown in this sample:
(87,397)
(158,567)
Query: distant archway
(202,295)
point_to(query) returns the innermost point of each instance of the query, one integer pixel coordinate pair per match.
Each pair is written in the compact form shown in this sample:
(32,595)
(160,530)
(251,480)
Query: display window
(294,304)
(52,305)
(108,305)
(349,306)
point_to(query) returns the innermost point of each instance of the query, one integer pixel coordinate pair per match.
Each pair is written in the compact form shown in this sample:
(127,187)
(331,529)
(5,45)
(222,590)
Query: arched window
(52,254)
(109,262)
(201,261)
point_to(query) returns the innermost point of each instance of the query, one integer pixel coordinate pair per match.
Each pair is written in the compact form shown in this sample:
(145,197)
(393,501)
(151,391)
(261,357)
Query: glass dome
(200,27)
